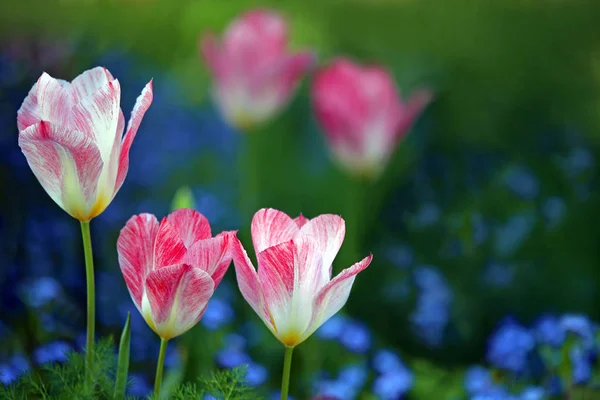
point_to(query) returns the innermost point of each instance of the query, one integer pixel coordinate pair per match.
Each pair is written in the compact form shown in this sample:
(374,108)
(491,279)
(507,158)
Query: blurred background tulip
(482,221)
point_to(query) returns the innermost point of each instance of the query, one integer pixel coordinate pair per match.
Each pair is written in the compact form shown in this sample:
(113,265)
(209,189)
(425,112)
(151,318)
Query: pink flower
(254,73)
(362,114)
(172,268)
(293,292)
(72,137)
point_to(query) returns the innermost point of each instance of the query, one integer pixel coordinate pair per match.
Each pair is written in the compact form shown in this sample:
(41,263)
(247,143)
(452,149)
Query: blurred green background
(495,189)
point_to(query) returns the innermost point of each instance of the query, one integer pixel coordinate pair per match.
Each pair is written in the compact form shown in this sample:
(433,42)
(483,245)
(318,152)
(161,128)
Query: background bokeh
(484,227)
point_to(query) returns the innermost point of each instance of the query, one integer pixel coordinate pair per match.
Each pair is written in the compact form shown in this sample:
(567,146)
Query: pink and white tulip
(254,73)
(72,137)
(362,114)
(172,268)
(293,291)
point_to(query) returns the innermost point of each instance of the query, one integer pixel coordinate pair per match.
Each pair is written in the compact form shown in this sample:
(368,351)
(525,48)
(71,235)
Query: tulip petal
(97,115)
(212,255)
(414,106)
(248,282)
(177,295)
(271,227)
(190,225)
(301,220)
(66,163)
(89,82)
(291,70)
(141,106)
(54,101)
(168,247)
(335,294)
(135,247)
(211,53)
(28,114)
(329,231)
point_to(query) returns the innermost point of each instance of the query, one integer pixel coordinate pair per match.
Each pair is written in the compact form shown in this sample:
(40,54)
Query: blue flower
(578,325)
(392,385)
(532,393)
(356,337)
(554,210)
(332,329)
(7,374)
(386,360)
(578,161)
(218,314)
(401,256)
(548,330)
(427,215)
(277,396)
(432,311)
(499,274)
(510,236)
(56,351)
(337,389)
(581,367)
(230,358)
(235,341)
(478,380)
(522,182)
(354,375)
(256,374)
(40,291)
(509,346)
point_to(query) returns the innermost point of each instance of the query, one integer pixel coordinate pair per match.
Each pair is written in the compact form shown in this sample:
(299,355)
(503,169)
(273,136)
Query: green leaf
(123,364)
(184,198)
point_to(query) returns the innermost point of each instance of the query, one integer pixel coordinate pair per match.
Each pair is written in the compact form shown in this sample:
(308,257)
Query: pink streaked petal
(168,247)
(89,82)
(141,106)
(308,266)
(53,100)
(178,295)
(335,294)
(276,274)
(412,109)
(292,69)
(271,227)
(248,282)
(329,231)
(300,220)
(29,113)
(190,225)
(212,255)
(67,164)
(135,247)
(98,117)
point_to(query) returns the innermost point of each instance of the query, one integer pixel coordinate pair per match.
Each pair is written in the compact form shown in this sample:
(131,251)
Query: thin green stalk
(287,367)
(91,302)
(159,368)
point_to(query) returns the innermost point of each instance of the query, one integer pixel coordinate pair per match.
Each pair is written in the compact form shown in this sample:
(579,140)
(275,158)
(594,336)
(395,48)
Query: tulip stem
(159,368)
(91,302)
(287,367)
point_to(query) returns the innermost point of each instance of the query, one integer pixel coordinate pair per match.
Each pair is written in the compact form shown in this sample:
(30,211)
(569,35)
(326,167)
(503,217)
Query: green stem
(159,368)
(287,367)
(91,302)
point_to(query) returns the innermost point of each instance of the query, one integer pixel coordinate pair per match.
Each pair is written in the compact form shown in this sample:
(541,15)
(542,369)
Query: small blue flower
(509,347)
(218,314)
(578,325)
(332,329)
(356,337)
(277,396)
(230,358)
(337,389)
(532,393)
(56,351)
(256,374)
(478,380)
(393,385)
(20,363)
(209,397)
(40,291)
(554,210)
(582,370)
(578,161)
(401,256)
(548,330)
(234,341)
(7,374)
(354,375)
(427,215)
(386,360)
(522,182)
(498,274)
(510,236)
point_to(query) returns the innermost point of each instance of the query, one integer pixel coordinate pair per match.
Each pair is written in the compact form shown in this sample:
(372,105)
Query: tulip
(254,73)
(362,114)
(171,270)
(293,292)
(72,137)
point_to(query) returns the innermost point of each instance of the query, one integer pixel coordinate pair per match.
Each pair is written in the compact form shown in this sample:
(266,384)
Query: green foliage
(123,364)
(184,198)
